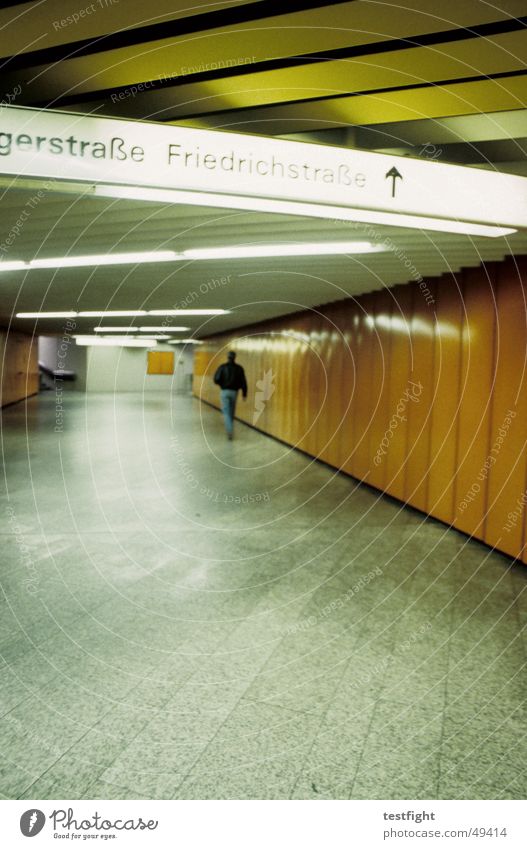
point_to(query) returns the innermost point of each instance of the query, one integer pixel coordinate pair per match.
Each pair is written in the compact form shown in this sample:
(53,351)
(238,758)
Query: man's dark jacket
(231,376)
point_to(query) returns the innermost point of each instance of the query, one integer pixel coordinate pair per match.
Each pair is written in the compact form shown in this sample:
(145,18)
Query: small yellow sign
(160,362)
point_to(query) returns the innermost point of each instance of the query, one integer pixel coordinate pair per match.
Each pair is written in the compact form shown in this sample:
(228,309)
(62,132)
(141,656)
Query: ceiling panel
(359,73)
(259,288)
(294,34)
(27,27)
(430,101)
(410,67)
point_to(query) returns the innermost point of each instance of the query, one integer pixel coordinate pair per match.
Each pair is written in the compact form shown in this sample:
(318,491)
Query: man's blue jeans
(228,405)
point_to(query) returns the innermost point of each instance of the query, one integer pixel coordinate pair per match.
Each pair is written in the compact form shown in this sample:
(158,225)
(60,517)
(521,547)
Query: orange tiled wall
(422,397)
(19,376)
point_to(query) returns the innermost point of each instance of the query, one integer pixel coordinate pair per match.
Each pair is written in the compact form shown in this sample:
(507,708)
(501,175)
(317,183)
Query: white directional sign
(62,145)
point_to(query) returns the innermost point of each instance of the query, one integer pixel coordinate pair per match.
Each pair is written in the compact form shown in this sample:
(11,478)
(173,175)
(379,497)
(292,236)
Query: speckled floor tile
(257,754)
(177,648)
(450,788)
(487,748)
(332,763)
(401,753)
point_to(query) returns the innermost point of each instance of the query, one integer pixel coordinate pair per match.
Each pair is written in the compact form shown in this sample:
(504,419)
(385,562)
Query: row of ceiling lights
(234,252)
(131,341)
(167,256)
(119,313)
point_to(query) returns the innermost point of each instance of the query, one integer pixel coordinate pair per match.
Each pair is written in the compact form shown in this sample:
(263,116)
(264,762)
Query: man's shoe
(229,436)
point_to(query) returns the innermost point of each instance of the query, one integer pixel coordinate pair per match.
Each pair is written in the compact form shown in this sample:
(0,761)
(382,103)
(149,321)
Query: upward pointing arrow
(393,173)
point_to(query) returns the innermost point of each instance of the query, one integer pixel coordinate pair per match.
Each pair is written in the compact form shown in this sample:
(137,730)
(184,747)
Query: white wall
(47,351)
(62,352)
(124,370)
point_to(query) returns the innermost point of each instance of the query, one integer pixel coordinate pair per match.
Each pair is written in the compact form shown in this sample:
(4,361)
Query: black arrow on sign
(393,173)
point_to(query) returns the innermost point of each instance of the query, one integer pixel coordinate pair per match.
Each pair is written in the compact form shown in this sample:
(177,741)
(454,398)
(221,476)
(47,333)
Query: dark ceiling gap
(342,53)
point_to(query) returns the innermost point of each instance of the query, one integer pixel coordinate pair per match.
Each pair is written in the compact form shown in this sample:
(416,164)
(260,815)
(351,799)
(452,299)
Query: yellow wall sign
(160,362)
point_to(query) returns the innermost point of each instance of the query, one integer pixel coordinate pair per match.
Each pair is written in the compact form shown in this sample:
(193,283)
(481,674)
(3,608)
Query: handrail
(58,373)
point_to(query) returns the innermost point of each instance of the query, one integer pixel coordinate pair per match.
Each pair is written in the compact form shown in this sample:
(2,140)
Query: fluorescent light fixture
(154,195)
(188,312)
(185,342)
(114,342)
(121,314)
(146,329)
(91,260)
(150,330)
(104,259)
(110,313)
(46,314)
(115,329)
(12,265)
(311,210)
(298,249)
(156,336)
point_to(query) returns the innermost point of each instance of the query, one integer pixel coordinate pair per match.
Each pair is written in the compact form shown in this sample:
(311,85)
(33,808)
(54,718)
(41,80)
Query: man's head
(231,356)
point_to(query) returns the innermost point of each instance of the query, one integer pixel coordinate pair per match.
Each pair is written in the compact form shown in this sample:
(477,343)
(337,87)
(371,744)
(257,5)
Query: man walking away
(230,377)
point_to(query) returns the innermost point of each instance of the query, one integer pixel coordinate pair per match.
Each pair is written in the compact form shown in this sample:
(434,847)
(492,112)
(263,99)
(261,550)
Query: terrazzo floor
(186,617)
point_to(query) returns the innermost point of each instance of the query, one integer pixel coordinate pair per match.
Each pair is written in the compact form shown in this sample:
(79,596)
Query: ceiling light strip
(230,252)
(311,210)
(121,314)
(281,250)
(114,341)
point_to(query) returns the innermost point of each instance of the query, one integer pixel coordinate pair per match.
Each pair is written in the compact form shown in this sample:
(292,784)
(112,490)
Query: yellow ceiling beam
(502,54)
(349,24)
(485,96)
(34,26)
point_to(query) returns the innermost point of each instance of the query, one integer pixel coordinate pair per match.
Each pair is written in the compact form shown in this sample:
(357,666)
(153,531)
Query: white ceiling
(257,289)
(445,80)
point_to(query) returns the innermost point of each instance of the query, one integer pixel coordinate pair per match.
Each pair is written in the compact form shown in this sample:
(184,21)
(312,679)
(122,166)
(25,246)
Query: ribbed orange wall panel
(316,387)
(283,385)
(508,437)
(347,321)
(341,373)
(476,382)
(443,434)
(300,354)
(421,373)
(307,358)
(19,377)
(329,417)
(261,380)
(402,393)
(331,353)
(361,409)
(380,384)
